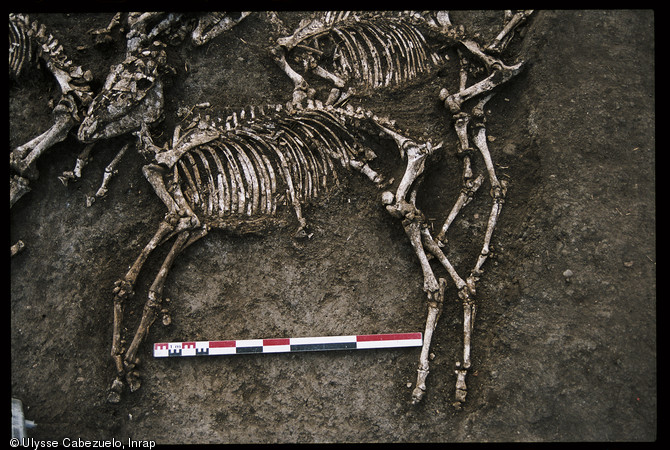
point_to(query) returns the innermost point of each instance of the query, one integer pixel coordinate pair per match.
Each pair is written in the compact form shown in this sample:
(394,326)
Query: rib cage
(20,45)
(258,164)
(383,54)
(375,52)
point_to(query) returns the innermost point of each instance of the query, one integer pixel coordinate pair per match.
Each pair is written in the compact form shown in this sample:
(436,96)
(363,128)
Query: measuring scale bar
(281,345)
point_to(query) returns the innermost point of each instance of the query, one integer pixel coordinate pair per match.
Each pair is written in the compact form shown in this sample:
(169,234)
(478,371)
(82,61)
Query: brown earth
(555,358)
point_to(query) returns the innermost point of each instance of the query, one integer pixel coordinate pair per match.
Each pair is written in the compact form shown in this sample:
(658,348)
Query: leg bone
(178,219)
(23,157)
(434,310)
(213,24)
(153,304)
(299,83)
(468,191)
(81,162)
(498,188)
(502,39)
(468,325)
(124,289)
(499,74)
(497,192)
(110,170)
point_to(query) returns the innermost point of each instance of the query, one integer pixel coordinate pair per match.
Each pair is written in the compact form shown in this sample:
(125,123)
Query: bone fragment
(468,325)
(231,176)
(500,73)
(461,388)
(110,170)
(16,248)
(82,161)
(298,81)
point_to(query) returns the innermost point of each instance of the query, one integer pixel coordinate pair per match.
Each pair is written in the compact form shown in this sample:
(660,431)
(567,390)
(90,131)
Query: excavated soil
(556,357)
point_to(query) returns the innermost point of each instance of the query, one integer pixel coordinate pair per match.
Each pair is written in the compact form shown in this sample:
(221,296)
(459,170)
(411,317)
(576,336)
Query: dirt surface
(555,357)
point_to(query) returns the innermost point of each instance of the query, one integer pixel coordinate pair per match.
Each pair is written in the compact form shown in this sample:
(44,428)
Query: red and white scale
(285,345)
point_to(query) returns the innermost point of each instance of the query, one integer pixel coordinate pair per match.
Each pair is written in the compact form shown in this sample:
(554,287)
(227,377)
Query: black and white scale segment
(286,345)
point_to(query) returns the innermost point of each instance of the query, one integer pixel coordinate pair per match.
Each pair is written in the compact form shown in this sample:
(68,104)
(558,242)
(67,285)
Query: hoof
(417,395)
(303,233)
(114,395)
(67,177)
(133,380)
(460,395)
